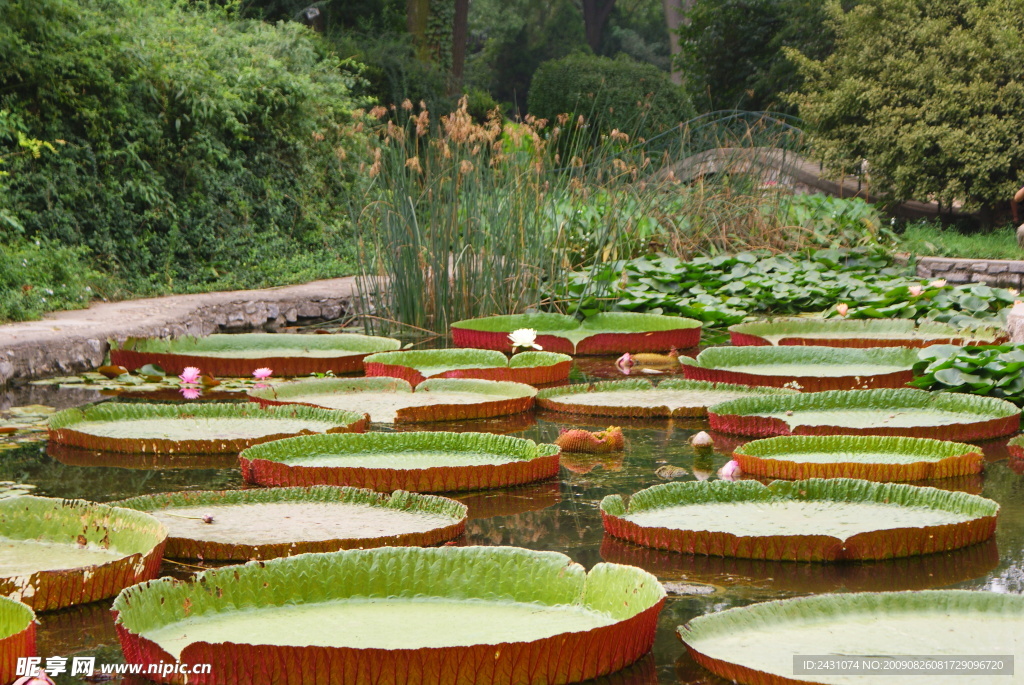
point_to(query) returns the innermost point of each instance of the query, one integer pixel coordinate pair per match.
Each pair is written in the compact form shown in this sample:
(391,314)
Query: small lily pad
(415,366)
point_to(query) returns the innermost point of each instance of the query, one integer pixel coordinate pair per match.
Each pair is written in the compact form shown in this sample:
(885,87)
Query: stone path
(69,342)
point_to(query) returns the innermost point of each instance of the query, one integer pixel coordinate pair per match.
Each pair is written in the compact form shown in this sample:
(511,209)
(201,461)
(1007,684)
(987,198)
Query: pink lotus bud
(191,393)
(842,308)
(915,290)
(39,678)
(207,518)
(702,440)
(190,375)
(731,471)
(625,363)
(938,283)
(262,374)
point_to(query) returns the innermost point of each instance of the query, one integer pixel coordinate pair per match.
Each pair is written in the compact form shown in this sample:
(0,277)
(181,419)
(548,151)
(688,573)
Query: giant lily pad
(418,462)
(392,400)
(913,413)
(192,428)
(17,636)
(757,643)
(641,398)
(860,333)
(870,457)
(810,369)
(394,615)
(55,553)
(605,333)
(288,354)
(415,366)
(808,520)
(279,522)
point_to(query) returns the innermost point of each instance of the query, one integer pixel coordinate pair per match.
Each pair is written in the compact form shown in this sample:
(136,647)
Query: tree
(930,94)
(595,17)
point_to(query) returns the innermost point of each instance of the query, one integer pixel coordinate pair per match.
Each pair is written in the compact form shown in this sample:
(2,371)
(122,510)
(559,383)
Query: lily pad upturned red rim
(868,545)
(78,522)
(18,630)
(62,425)
(265,464)
(631,596)
(173,356)
(530,368)
(197,548)
(934,458)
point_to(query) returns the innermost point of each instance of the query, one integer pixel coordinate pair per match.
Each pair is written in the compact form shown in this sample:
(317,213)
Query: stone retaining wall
(1005,273)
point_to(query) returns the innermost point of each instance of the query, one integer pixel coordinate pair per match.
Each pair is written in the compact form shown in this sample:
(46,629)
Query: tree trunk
(416,14)
(675,16)
(595,16)
(460,35)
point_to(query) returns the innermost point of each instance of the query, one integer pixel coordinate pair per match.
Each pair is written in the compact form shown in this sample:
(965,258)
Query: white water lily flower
(524,337)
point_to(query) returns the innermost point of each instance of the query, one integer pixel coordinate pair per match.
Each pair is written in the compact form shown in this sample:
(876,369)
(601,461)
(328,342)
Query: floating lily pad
(641,398)
(279,522)
(860,333)
(55,553)
(393,400)
(469,615)
(288,354)
(811,369)
(871,457)
(415,366)
(757,643)
(192,428)
(808,520)
(912,413)
(417,462)
(17,636)
(605,333)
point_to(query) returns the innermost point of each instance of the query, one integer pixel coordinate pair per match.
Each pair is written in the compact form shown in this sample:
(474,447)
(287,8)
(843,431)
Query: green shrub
(200,152)
(44,276)
(620,93)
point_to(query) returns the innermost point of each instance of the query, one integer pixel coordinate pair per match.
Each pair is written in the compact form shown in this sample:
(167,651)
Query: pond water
(560,515)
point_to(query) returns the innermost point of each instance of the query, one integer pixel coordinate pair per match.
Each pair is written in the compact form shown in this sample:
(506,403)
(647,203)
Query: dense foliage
(928,93)
(724,290)
(994,370)
(617,93)
(197,151)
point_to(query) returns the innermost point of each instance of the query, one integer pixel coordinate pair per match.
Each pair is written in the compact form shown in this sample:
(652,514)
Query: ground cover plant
(932,239)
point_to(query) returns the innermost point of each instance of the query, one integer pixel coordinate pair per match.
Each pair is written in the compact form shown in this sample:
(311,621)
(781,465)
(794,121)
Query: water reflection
(77,456)
(484,504)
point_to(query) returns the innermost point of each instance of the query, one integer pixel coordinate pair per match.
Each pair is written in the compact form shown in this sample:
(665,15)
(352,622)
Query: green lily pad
(419,462)
(391,400)
(191,428)
(479,615)
(907,412)
(757,644)
(871,457)
(860,333)
(808,520)
(637,397)
(287,354)
(277,522)
(810,369)
(605,333)
(17,636)
(56,553)
(415,366)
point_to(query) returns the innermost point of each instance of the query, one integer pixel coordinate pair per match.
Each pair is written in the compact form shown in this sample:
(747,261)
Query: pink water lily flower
(38,678)
(625,363)
(191,393)
(731,471)
(190,375)
(262,373)
(842,308)
(915,290)
(938,283)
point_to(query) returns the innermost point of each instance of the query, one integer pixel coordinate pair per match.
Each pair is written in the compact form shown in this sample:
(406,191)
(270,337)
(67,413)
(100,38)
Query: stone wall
(1004,273)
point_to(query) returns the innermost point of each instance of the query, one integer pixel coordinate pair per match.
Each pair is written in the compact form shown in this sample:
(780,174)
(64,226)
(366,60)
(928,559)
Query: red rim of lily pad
(198,548)
(868,545)
(62,426)
(926,459)
(713,364)
(747,416)
(278,464)
(530,368)
(510,398)
(903,333)
(173,356)
(631,597)
(560,399)
(139,536)
(18,627)
(613,332)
